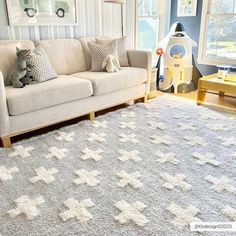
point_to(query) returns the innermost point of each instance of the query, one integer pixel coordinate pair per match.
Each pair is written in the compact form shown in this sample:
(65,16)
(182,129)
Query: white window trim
(202,58)
(164,9)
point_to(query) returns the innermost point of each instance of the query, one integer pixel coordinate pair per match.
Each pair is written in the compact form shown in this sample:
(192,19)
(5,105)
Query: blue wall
(192,26)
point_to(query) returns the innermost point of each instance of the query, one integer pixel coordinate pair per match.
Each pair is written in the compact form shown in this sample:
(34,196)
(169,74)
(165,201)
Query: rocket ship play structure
(176,61)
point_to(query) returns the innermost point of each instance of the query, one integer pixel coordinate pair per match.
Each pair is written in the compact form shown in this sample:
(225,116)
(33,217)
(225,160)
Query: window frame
(163,16)
(202,57)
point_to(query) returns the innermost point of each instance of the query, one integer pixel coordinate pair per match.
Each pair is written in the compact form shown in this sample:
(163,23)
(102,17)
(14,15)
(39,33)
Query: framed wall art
(187,8)
(41,12)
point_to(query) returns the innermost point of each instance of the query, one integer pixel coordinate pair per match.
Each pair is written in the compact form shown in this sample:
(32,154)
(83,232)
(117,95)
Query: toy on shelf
(176,61)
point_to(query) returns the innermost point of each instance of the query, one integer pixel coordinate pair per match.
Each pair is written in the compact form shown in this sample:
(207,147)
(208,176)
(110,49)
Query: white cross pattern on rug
(132,138)
(157,139)
(26,206)
(234,155)
(207,116)
(90,154)
(64,136)
(6,174)
(78,210)
(228,142)
(168,157)
(86,177)
(129,155)
(129,179)
(44,175)
(204,159)
(131,212)
(128,125)
(128,114)
(175,181)
(230,212)
(182,116)
(152,114)
(221,184)
(185,127)
(156,125)
(99,124)
(218,127)
(97,137)
(183,217)
(194,141)
(57,153)
(21,151)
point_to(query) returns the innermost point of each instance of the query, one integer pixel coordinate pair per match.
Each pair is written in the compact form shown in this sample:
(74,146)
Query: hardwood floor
(212,100)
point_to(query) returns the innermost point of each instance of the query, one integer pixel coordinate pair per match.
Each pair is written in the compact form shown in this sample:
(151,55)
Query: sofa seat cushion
(53,92)
(104,82)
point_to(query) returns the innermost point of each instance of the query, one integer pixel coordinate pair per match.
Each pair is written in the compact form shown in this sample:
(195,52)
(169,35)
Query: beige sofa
(76,92)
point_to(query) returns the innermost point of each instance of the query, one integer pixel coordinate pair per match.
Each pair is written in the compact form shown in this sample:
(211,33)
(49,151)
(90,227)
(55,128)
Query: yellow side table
(212,83)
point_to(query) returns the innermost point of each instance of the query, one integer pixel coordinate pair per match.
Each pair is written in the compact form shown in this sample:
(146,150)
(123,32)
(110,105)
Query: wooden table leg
(201,96)
(221,94)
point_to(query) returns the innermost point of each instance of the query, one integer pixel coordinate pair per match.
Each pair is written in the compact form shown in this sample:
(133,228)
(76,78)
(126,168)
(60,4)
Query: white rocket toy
(176,65)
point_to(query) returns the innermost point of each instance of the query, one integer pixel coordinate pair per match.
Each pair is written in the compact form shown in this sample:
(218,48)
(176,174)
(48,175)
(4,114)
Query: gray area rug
(149,169)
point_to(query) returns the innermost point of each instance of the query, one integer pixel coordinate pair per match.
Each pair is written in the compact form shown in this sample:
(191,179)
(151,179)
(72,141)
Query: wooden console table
(214,84)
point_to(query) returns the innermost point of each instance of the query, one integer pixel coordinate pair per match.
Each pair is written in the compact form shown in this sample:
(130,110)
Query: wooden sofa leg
(145,99)
(6,142)
(92,116)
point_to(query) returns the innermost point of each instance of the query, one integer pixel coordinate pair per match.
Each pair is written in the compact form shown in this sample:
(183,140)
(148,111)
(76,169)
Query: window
(152,23)
(218,32)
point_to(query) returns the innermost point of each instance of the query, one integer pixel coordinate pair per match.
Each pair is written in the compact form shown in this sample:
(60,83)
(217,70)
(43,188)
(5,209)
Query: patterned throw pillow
(41,68)
(121,49)
(99,53)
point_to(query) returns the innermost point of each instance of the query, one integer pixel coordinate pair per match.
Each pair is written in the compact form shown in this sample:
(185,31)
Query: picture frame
(41,12)
(187,8)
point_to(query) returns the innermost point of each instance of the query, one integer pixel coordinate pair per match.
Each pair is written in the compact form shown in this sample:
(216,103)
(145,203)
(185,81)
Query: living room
(117,117)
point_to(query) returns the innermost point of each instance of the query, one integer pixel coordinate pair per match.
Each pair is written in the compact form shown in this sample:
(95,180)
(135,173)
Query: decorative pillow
(41,68)
(121,48)
(99,53)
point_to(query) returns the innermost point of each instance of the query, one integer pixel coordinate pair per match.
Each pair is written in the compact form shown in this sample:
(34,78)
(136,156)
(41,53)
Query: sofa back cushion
(8,55)
(65,55)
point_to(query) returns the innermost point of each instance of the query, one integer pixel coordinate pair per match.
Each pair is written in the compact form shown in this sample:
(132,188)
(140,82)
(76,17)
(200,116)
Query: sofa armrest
(142,59)
(4,115)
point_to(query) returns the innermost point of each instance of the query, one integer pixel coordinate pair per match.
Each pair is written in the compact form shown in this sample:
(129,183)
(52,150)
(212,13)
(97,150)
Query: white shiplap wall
(96,18)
